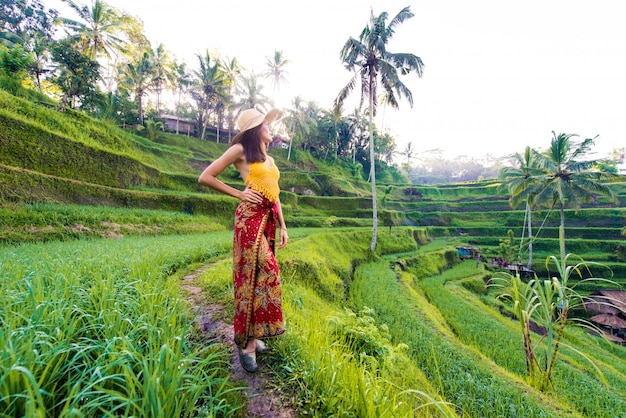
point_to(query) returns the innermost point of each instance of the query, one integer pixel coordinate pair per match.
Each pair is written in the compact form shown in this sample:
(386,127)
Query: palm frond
(345,91)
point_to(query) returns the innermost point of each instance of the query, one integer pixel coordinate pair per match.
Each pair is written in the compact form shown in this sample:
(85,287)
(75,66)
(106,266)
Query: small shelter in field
(468,253)
(279,142)
(608,307)
(185,126)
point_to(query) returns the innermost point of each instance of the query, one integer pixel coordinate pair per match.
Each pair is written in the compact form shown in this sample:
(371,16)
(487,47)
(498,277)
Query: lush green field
(94,327)
(98,225)
(84,322)
(453,342)
(44,222)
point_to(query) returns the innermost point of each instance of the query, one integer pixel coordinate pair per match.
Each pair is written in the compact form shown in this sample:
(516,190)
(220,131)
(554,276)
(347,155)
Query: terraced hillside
(413,332)
(408,331)
(48,157)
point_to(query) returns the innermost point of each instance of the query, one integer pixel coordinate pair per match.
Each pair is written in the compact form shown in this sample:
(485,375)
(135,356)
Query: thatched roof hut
(600,305)
(607,301)
(614,339)
(609,320)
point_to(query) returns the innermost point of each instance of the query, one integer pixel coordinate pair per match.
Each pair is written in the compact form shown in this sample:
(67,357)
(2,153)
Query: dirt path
(263,401)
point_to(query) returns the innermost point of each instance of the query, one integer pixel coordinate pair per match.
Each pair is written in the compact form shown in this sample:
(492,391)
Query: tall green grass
(475,386)
(42,222)
(477,325)
(92,328)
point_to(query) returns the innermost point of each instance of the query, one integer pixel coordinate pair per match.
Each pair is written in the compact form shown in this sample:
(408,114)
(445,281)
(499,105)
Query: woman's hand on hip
(251,195)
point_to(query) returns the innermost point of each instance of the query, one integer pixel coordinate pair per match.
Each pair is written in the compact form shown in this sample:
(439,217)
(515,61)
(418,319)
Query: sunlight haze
(498,75)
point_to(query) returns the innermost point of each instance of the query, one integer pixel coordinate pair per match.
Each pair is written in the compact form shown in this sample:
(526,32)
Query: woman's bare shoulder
(234,154)
(236,149)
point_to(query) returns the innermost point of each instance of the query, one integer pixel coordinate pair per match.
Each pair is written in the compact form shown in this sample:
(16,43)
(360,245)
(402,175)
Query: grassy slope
(315,286)
(424,321)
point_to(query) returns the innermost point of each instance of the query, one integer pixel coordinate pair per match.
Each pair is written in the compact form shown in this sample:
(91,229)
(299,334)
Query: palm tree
(232,74)
(335,115)
(371,63)
(408,152)
(137,78)
(182,81)
(567,181)
(99,30)
(251,94)
(211,83)
(39,46)
(297,122)
(357,124)
(311,117)
(276,71)
(522,183)
(163,72)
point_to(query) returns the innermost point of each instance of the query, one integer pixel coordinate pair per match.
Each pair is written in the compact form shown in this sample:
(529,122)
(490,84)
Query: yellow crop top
(264,179)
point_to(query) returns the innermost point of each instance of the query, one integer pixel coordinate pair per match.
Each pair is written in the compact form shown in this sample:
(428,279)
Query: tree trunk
(63,103)
(530,236)
(140,108)
(178,112)
(289,153)
(204,118)
(217,128)
(373,173)
(562,234)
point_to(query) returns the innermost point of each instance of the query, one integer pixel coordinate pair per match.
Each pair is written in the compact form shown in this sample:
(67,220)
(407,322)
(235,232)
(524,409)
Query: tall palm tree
(311,117)
(372,64)
(39,47)
(568,181)
(163,72)
(182,81)
(408,153)
(336,114)
(276,71)
(357,124)
(99,29)
(297,122)
(137,78)
(211,84)
(103,31)
(251,93)
(232,74)
(522,183)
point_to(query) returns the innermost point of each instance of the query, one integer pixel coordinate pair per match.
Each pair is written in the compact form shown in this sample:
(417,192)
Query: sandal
(248,361)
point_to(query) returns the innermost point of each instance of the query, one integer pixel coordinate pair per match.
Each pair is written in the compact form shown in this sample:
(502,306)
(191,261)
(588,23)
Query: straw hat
(251,118)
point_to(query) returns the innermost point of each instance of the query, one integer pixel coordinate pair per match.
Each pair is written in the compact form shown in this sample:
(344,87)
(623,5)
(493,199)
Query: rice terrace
(498,296)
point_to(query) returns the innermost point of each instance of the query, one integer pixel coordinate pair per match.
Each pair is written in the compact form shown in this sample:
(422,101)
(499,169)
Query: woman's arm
(209,176)
(283,228)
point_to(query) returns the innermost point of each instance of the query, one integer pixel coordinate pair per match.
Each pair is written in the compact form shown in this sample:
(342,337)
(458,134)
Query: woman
(258,298)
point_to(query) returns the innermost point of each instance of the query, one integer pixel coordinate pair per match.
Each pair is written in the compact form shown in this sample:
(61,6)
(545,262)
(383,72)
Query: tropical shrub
(547,303)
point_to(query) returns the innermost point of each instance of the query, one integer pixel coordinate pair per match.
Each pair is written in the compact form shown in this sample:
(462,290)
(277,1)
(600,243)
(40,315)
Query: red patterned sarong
(258,298)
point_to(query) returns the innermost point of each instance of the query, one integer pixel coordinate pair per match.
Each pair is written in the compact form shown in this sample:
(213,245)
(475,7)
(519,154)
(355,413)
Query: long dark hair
(252,144)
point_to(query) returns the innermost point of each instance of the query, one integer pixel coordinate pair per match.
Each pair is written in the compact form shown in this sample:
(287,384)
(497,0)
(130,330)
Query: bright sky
(499,75)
